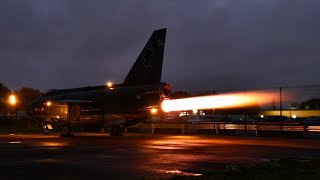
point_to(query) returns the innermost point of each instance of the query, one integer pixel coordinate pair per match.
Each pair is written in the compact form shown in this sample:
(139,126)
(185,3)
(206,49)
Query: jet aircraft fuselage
(117,106)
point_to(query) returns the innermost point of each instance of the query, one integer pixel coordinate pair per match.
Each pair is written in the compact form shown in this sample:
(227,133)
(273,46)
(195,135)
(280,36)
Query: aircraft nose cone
(30,108)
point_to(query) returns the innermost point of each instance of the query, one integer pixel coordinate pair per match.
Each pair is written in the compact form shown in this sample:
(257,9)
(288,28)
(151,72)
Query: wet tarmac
(134,156)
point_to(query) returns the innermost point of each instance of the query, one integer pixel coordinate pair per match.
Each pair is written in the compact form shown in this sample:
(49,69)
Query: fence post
(305,130)
(218,127)
(152,128)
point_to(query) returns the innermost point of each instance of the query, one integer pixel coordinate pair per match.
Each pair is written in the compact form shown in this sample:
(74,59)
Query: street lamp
(109,84)
(13,102)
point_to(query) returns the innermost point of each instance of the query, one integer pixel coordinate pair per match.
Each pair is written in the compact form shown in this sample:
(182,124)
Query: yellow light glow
(217,101)
(12,99)
(195,111)
(49,103)
(262,116)
(109,84)
(154,110)
(294,116)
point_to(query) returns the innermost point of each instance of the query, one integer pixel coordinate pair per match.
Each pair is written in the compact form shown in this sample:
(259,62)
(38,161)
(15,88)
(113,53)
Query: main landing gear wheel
(116,131)
(46,130)
(66,131)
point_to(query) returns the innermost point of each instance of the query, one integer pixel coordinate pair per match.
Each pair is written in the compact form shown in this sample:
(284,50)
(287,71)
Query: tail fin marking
(148,67)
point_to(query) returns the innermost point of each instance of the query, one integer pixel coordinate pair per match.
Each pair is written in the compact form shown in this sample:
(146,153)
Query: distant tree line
(23,95)
(4,94)
(313,103)
(180,94)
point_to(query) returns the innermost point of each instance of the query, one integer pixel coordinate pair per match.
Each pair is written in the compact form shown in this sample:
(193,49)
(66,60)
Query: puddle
(178,172)
(14,142)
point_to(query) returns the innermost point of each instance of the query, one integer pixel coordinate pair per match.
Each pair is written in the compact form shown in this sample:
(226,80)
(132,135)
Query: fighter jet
(109,106)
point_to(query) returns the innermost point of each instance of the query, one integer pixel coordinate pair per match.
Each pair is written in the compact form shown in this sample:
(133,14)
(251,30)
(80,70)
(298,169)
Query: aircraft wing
(73,101)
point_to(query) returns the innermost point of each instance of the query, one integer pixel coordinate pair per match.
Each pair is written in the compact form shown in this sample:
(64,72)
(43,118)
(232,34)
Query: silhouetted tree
(313,103)
(25,95)
(4,95)
(295,105)
(180,94)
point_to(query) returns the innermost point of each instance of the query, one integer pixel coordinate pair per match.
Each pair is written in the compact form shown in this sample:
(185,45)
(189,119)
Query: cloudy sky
(213,44)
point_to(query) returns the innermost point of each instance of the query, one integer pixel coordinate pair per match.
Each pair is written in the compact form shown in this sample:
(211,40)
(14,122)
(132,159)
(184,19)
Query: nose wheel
(47,128)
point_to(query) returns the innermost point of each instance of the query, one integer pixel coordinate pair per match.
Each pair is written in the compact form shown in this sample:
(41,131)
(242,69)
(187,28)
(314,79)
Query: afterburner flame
(218,101)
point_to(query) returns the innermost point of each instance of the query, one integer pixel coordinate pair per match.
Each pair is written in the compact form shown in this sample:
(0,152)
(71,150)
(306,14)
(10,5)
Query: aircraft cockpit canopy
(49,92)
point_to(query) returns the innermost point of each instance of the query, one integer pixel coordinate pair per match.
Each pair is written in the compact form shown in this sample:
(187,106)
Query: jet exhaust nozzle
(165,90)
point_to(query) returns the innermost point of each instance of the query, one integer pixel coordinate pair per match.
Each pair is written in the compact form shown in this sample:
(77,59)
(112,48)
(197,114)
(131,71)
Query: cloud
(212,44)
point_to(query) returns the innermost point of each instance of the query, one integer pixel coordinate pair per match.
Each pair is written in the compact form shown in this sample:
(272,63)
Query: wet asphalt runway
(133,156)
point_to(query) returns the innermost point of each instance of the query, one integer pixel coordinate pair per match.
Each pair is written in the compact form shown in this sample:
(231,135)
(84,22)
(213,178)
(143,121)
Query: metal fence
(217,128)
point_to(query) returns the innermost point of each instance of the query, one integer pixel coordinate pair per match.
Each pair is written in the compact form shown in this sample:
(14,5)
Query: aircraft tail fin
(148,67)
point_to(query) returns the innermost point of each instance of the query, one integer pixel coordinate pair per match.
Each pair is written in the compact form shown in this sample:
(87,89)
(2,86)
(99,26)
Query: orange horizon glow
(232,100)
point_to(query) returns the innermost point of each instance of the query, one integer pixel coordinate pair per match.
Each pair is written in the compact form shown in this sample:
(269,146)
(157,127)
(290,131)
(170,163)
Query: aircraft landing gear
(47,128)
(116,131)
(66,131)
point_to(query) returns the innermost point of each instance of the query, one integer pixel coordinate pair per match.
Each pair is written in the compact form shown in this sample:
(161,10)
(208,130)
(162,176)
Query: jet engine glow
(233,100)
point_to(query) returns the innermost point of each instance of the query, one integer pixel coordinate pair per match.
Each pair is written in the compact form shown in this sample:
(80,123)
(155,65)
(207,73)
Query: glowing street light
(12,100)
(109,84)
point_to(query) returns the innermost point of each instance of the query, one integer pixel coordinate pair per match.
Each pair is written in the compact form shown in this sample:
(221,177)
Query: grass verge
(271,169)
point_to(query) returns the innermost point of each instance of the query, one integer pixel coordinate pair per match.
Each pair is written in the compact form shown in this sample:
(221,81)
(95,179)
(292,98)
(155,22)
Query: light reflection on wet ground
(14,142)
(164,146)
(52,144)
(47,161)
(178,172)
(150,156)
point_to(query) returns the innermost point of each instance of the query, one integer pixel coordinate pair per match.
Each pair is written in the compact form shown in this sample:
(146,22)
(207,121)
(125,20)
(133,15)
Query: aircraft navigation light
(154,111)
(49,103)
(12,99)
(109,84)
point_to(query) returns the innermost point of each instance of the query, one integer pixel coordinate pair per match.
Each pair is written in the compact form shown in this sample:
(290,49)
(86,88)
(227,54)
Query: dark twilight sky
(210,44)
